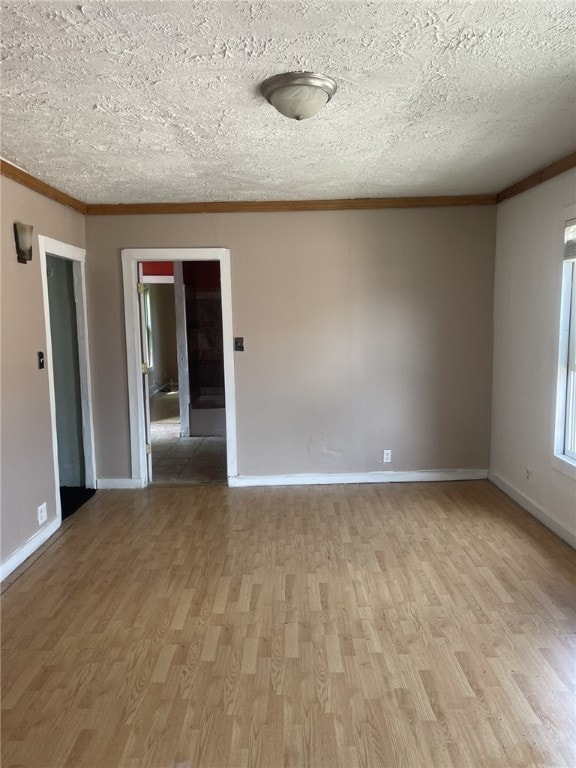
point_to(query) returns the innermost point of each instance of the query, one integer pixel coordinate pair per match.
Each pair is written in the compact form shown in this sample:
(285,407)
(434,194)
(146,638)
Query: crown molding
(268,206)
(539,177)
(246,206)
(27,180)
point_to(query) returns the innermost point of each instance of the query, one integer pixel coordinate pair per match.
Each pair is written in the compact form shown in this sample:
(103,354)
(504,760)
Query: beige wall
(363,330)
(526,317)
(27,473)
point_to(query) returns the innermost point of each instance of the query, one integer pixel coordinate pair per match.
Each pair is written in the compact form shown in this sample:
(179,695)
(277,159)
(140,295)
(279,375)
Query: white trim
(569,213)
(417,476)
(182,349)
(51,390)
(78,257)
(64,250)
(533,508)
(79,277)
(567,272)
(157,279)
(229,378)
(114,483)
(24,552)
(138,457)
(147,358)
(564,464)
(130,257)
(562,335)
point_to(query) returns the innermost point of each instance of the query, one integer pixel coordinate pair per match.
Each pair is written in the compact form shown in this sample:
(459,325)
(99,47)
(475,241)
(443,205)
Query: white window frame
(565,463)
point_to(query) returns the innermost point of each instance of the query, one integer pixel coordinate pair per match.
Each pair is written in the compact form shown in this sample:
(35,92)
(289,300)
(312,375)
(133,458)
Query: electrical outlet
(529,476)
(387,456)
(42,513)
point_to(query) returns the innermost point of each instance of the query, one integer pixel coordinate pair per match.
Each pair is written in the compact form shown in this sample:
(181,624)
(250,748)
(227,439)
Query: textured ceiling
(158,101)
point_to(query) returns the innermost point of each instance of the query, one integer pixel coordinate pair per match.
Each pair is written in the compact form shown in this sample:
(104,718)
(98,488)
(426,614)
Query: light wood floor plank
(406,626)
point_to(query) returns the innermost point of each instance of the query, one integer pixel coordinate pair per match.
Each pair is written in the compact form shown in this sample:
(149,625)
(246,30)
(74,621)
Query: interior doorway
(184,431)
(68,369)
(186,401)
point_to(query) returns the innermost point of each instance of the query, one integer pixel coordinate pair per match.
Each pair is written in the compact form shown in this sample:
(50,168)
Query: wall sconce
(23,240)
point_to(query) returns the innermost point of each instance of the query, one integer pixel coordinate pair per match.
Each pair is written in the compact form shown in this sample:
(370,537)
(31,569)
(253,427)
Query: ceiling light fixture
(298,95)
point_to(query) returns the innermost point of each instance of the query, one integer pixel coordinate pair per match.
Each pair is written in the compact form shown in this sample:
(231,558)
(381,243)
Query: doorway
(68,370)
(156,284)
(186,401)
(182,432)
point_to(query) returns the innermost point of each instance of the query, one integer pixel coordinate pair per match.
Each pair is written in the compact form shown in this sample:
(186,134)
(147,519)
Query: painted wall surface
(165,368)
(526,322)
(27,474)
(363,330)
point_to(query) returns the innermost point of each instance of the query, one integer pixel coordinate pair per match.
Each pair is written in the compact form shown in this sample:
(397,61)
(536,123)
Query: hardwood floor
(414,625)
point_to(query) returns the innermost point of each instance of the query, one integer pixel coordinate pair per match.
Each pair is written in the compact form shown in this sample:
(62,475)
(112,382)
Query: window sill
(565,465)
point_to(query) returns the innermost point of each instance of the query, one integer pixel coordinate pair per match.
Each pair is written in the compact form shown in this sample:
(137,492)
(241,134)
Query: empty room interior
(288,384)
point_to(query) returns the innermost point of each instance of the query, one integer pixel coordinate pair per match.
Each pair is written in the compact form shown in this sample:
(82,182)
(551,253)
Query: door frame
(77,256)
(176,281)
(182,349)
(130,258)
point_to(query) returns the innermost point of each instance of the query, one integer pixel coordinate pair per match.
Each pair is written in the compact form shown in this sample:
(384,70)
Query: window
(149,351)
(566,402)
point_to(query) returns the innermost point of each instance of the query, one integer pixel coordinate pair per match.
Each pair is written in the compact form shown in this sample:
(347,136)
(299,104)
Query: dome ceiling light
(298,95)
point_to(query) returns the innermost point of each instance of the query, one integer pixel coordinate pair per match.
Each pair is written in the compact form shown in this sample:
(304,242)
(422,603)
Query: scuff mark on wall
(323,447)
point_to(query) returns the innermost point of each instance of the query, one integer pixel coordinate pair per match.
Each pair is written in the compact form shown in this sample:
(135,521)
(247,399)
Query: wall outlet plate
(42,513)
(386,456)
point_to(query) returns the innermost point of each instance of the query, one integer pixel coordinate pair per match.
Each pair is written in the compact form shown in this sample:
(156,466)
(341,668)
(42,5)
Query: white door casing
(130,258)
(182,349)
(77,256)
(177,280)
(143,298)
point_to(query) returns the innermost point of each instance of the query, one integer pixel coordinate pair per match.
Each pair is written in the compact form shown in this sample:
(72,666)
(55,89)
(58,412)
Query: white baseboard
(114,483)
(533,508)
(28,549)
(418,476)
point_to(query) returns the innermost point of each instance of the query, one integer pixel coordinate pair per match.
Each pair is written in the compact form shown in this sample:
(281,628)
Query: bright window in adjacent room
(148,321)
(566,401)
